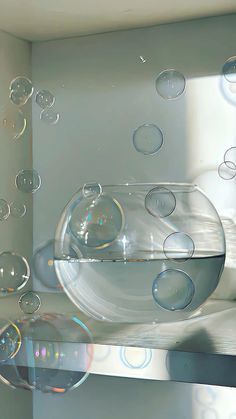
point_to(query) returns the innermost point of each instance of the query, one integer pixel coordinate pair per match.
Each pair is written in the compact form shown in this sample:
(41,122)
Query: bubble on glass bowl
(17,99)
(148,139)
(170,84)
(14,121)
(14,272)
(229,70)
(173,289)
(43,266)
(29,302)
(97,223)
(92,190)
(49,116)
(45,99)
(227,170)
(160,202)
(135,358)
(10,340)
(230,156)
(4,210)
(17,209)
(28,181)
(22,85)
(179,247)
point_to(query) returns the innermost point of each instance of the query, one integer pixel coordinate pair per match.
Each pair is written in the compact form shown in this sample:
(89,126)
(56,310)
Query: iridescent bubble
(227,170)
(97,223)
(49,116)
(17,209)
(229,70)
(28,181)
(92,190)
(173,289)
(29,302)
(22,85)
(43,266)
(13,121)
(178,246)
(230,157)
(45,99)
(160,202)
(14,272)
(135,358)
(148,139)
(10,341)
(4,210)
(170,84)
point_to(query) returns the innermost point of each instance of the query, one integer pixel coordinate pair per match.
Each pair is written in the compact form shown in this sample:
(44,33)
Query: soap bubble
(29,302)
(92,190)
(230,157)
(97,223)
(17,99)
(160,202)
(43,266)
(17,209)
(10,341)
(45,99)
(22,85)
(49,116)
(227,170)
(179,247)
(170,84)
(173,289)
(148,139)
(229,70)
(14,272)
(14,121)
(28,181)
(4,210)
(135,358)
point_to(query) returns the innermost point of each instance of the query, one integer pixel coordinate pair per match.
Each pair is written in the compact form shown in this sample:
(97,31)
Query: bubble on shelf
(45,99)
(43,266)
(28,181)
(229,70)
(227,170)
(10,341)
(97,223)
(173,289)
(170,84)
(178,246)
(230,157)
(4,210)
(14,121)
(160,202)
(148,139)
(135,358)
(22,85)
(92,190)
(49,116)
(14,272)
(17,209)
(29,302)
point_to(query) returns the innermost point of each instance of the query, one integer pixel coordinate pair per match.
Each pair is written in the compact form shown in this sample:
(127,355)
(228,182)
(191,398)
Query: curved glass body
(139,253)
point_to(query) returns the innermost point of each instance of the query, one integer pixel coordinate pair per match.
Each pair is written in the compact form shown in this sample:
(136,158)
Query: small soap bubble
(4,210)
(229,70)
(92,190)
(178,246)
(97,223)
(29,302)
(170,84)
(49,116)
(45,99)
(135,358)
(17,209)
(148,139)
(230,157)
(28,181)
(10,341)
(173,289)
(14,121)
(23,86)
(160,202)
(14,272)
(227,170)
(17,99)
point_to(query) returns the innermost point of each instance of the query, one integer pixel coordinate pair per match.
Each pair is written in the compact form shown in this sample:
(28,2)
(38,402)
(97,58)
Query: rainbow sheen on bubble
(10,341)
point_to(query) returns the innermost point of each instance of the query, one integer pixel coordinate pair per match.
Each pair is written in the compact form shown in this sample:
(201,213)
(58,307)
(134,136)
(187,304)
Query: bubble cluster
(10,341)
(29,302)
(43,266)
(14,272)
(179,247)
(97,223)
(49,116)
(17,209)
(229,70)
(4,210)
(28,181)
(45,99)
(14,122)
(170,84)
(160,202)
(21,89)
(148,139)
(173,289)
(135,358)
